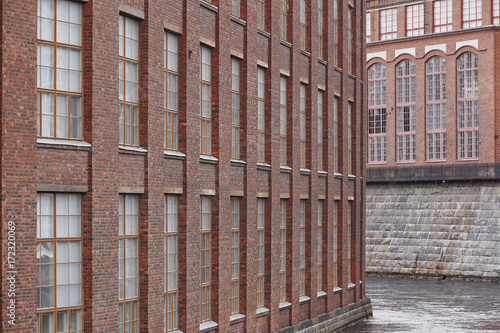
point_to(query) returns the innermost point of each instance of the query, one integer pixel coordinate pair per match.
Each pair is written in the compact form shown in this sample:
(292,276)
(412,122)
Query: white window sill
(262,309)
(137,149)
(337,175)
(320,294)
(64,142)
(209,158)
(350,285)
(176,331)
(321,172)
(284,167)
(284,305)
(173,153)
(302,170)
(238,162)
(208,325)
(236,317)
(351,176)
(304,299)
(265,165)
(337,289)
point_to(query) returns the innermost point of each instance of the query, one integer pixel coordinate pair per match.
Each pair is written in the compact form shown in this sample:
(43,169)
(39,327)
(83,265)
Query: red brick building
(182,166)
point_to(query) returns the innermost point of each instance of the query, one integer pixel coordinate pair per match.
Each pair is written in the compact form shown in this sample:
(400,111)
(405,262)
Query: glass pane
(48,322)
(63,321)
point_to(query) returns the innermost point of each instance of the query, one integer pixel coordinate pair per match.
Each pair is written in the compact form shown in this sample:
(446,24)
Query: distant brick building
(432,116)
(183,166)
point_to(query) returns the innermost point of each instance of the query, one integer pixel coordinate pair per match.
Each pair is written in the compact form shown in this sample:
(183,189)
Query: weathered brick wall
(435,229)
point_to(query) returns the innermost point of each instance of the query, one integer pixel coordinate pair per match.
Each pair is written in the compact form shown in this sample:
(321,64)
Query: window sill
(209,6)
(64,143)
(236,317)
(133,149)
(352,76)
(337,290)
(322,61)
(320,294)
(407,162)
(351,176)
(262,311)
(338,69)
(305,171)
(435,161)
(286,44)
(263,33)
(208,325)
(304,299)
(285,305)
(337,175)
(350,285)
(376,163)
(239,21)
(208,159)
(263,166)
(305,53)
(285,169)
(176,155)
(322,173)
(238,163)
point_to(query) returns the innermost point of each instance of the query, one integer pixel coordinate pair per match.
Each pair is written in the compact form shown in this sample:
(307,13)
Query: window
(496,12)
(320,130)
(283,238)
(261,14)
(336,133)
(349,137)
(350,40)
(336,33)
(261,120)
(206,259)
(415,20)
(235,256)
(468,116)
(302,247)
(303,125)
(377,143)
(405,115)
(349,241)
(368,27)
(388,24)
(320,29)
(206,102)
(171,263)
(472,13)
(284,18)
(235,107)
(283,115)
(335,243)
(59,70)
(261,254)
(320,245)
(128,279)
(129,82)
(442,16)
(235,8)
(59,262)
(172,93)
(303,25)
(436,108)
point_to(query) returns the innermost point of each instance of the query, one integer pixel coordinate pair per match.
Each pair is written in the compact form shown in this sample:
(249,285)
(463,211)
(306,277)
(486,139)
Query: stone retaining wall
(434,228)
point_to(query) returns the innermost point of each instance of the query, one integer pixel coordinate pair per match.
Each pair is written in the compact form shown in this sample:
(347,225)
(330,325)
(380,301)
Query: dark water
(431,306)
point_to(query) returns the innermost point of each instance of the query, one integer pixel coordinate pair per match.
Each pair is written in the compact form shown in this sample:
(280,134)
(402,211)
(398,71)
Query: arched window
(405,116)
(436,108)
(467,106)
(377,143)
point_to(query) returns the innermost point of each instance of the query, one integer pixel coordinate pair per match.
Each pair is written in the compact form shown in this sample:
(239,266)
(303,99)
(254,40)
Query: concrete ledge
(62,188)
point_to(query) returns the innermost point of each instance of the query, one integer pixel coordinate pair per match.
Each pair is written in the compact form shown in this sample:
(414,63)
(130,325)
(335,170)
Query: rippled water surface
(431,306)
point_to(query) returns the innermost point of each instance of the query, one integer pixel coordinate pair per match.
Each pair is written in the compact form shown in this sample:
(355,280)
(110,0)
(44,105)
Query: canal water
(430,306)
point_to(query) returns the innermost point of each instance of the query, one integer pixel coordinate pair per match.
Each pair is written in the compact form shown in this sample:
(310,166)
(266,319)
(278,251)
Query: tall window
(303,125)
(171,263)
(261,120)
(335,243)
(261,254)
(496,12)
(128,278)
(235,8)
(235,256)
(59,70)
(59,263)
(320,245)
(261,14)
(436,108)
(350,40)
(336,134)
(443,16)
(283,238)
(468,116)
(283,115)
(284,19)
(171,100)
(303,25)
(336,33)
(206,101)
(206,259)
(349,241)
(320,130)
(388,24)
(320,29)
(302,247)
(405,115)
(377,143)
(368,27)
(415,20)
(129,82)
(349,137)
(235,107)
(472,13)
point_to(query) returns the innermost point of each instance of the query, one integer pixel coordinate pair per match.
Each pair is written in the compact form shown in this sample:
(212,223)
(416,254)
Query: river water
(430,306)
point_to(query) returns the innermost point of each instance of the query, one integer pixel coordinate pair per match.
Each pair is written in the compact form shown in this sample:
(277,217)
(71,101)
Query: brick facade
(100,169)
